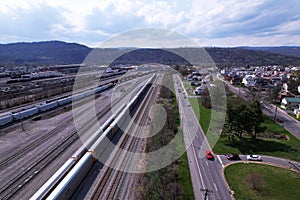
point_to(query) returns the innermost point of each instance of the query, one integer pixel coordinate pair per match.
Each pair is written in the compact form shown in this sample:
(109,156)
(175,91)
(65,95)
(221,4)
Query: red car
(209,155)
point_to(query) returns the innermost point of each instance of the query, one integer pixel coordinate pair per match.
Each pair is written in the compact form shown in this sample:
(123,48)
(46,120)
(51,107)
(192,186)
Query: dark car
(233,156)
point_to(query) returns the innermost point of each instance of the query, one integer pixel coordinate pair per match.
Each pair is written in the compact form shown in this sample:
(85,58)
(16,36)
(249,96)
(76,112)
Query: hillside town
(266,80)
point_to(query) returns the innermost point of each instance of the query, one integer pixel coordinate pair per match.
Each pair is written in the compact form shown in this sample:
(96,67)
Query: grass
(185,178)
(189,88)
(270,182)
(289,149)
(203,114)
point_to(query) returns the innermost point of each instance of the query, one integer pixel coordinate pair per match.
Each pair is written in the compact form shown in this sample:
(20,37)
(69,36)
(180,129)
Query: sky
(223,23)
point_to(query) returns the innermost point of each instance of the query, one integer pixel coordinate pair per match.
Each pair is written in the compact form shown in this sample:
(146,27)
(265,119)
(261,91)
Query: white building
(249,80)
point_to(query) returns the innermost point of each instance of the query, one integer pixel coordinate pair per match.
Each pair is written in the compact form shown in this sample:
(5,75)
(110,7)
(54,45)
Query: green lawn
(201,113)
(185,178)
(289,149)
(190,89)
(257,181)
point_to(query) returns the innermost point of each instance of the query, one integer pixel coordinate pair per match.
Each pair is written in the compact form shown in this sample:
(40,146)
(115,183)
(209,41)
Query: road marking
(193,150)
(206,163)
(216,187)
(220,161)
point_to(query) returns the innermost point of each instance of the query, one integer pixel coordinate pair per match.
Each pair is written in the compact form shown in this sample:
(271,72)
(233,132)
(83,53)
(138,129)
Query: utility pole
(206,192)
(275,113)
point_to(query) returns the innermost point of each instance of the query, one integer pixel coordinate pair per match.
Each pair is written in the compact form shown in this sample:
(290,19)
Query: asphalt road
(205,174)
(270,160)
(289,123)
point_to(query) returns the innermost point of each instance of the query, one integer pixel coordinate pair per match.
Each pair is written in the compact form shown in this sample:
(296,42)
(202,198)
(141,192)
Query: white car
(253,157)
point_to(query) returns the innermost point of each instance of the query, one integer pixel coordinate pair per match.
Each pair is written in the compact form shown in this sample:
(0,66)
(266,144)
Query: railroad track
(15,184)
(9,158)
(112,180)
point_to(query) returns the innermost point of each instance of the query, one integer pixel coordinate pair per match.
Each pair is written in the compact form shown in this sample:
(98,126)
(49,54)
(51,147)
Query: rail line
(112,179)
(15,184)
(12,157)
(22,178)
(32,145)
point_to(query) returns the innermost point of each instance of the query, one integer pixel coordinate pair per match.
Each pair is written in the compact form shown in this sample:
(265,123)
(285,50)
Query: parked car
(254,157)
(279,120)
(209,155)
(233,156)
(195,83)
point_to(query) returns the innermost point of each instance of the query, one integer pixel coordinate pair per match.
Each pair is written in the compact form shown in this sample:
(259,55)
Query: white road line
(196,160)
(206,163)
(216,187)
(220,161)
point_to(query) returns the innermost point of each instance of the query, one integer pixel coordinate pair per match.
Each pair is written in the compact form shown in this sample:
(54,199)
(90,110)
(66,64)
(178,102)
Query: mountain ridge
(59,52)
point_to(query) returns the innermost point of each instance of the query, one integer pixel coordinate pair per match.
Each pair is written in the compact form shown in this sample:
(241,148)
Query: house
(249,80)
(290,103)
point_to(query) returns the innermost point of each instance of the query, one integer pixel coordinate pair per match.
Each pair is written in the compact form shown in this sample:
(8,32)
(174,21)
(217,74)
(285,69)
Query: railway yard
(45,153)
(91,143)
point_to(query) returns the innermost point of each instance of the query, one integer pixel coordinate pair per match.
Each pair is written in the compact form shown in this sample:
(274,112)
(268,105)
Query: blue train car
(6,119)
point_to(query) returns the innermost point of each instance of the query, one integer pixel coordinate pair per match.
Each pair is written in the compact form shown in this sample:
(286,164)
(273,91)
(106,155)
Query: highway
(208,175)
(205,174)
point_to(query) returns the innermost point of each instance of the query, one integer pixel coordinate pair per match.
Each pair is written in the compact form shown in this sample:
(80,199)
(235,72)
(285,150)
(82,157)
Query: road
(270,160)
(289,123)
(205,174)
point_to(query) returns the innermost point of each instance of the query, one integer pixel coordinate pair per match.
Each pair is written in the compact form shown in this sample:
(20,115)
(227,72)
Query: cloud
(111,22)
(93,21)
(232,18)
(36,22)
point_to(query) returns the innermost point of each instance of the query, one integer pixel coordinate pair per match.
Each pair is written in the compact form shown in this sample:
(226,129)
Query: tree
(294,82)
(255,181)
(258,118)
(274,94)
(206,101)
(244,117)
(240,118)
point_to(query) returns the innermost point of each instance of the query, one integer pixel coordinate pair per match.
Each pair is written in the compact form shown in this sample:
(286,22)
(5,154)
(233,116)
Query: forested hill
(284,50)
(245,57)
(51,52)
(56,52)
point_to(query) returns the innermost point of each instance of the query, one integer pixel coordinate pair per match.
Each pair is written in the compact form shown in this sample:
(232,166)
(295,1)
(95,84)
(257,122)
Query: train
(76,168)
(62,171)
(48,105)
